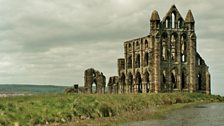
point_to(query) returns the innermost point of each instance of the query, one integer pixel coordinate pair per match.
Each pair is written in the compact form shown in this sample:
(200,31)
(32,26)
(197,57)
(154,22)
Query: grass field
(64,108)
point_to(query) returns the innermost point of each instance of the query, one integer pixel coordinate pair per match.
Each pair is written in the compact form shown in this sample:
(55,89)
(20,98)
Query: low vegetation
(79,108)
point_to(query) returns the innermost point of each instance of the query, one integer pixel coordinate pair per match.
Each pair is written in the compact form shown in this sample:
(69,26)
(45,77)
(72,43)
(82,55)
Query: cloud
(53,42)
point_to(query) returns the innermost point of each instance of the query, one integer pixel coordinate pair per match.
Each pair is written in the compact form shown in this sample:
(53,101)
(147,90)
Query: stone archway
(137,61)
(130,82)
(147,81)
(146,59)
(95,81)
(94,87)
(139,82)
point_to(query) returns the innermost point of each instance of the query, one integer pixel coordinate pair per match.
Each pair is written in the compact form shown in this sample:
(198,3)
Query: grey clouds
(54,41)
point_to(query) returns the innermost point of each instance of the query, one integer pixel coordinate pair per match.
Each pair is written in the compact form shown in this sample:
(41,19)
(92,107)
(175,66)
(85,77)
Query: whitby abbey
(165,60)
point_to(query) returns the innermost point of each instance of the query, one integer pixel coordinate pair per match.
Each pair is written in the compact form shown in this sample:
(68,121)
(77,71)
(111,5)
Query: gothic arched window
(129,62)
(173,20)
(173,47)
(138,61)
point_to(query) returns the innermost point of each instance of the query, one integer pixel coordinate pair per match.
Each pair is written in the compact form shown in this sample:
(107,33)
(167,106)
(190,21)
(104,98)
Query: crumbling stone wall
(74,89)
(113,84)
(95,81)
(165,60)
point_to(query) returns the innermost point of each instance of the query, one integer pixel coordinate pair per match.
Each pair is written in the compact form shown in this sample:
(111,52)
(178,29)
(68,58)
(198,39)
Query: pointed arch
(129,62)
(173,15)
(167,22)
(146,59)
(179,23)
(137,61)
(139,82)
(183,47)
(147,81)
(94,87)
(164,46)
(93,84)
(173,44)
(146,43)
(130,82)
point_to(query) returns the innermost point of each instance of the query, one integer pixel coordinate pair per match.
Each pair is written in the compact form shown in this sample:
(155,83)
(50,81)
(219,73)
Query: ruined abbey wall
(166,60)
(94,81)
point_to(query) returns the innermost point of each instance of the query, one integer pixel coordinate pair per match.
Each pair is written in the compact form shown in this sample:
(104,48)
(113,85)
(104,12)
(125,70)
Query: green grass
(61,108)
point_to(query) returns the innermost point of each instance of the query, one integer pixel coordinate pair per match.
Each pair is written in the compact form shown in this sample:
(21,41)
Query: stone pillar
(142,66)
(133,66)
(156,63)
(179,61)
(192,63)
(144,90)
(170,63)
(208,83)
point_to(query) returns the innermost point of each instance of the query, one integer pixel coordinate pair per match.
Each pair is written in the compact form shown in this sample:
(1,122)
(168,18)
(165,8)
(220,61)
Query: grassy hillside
(30,89)
(61,108)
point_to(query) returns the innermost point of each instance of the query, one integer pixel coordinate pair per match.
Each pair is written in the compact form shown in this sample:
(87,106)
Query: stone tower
(165,60)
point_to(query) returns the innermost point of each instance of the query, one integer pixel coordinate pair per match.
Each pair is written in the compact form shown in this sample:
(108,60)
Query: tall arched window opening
(94,87)
(147,81)
(167,23)
(130,82)
(183,49)
(173,47)
(139,82)
(138,61)
(129,62)
(183,83)
(173,20)
(146,58)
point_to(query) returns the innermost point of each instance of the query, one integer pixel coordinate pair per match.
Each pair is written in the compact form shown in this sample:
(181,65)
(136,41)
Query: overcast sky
(54,41)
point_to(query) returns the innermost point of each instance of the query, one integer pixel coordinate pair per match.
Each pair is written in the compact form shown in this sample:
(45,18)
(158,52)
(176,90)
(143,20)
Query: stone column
(134,89)
(192,63)
(142,66)
(179,61)
(156,59)
(208,83)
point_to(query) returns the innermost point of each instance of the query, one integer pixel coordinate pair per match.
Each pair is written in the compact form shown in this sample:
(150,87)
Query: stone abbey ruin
(165,60)
(94,77)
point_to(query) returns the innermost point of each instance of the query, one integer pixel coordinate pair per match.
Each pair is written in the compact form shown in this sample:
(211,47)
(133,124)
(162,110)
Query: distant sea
(30,89)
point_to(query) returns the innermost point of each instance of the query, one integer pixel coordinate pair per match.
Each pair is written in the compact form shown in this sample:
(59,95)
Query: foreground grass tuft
(62,108)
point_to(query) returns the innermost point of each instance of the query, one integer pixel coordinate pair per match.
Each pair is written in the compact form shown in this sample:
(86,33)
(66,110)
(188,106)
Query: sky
(53,41)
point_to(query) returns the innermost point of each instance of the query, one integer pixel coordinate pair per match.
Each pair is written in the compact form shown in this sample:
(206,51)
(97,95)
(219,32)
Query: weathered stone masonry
(166,60)
(94,81)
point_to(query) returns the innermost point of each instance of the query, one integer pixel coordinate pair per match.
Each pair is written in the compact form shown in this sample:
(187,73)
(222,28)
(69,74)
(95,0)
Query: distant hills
(30,89)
